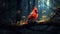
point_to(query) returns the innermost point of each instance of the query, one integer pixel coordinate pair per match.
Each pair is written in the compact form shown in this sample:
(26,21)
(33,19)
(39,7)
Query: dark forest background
(8,11)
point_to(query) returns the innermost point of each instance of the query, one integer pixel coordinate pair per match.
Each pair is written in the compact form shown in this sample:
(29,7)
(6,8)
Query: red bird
(33,15)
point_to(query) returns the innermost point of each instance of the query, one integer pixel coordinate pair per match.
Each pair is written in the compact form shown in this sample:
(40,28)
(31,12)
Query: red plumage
(33,15)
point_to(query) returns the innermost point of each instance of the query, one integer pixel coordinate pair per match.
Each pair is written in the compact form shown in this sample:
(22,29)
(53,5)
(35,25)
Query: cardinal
(33,15)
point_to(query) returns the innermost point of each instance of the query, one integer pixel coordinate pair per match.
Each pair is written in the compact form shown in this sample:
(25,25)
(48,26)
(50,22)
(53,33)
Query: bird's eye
(36,11)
